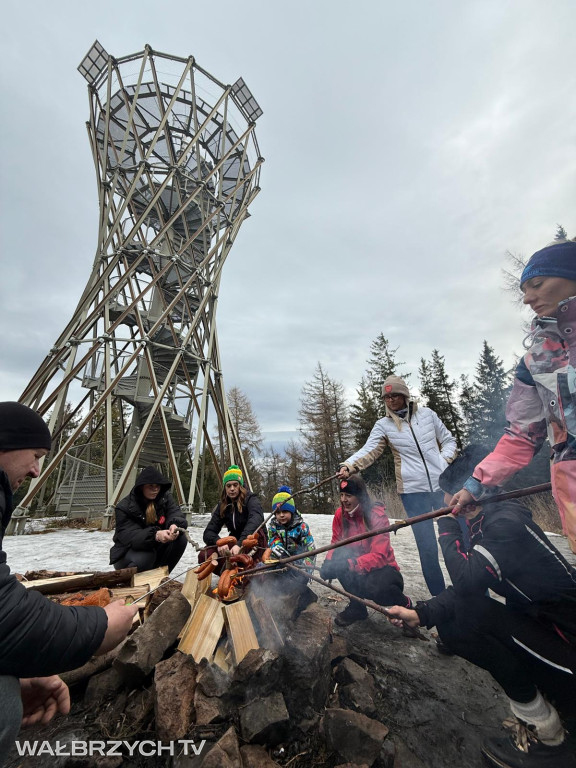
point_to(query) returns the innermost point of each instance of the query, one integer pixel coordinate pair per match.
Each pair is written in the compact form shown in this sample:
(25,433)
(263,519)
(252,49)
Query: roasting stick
(405,523)
(368,603)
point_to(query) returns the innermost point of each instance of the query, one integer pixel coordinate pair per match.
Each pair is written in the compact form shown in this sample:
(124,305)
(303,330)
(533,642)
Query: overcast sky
(408,146)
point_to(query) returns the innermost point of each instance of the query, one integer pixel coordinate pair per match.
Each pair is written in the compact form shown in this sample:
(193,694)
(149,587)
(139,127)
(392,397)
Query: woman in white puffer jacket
(422,447)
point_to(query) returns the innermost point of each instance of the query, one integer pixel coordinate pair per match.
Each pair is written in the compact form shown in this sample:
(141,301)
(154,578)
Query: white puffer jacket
(422,447)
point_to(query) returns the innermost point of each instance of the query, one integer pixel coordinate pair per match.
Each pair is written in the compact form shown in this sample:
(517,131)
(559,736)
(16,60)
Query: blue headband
(558,260)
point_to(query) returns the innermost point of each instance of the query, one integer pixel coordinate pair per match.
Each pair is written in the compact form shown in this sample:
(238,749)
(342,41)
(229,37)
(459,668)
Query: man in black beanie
(39,638)
(527,644)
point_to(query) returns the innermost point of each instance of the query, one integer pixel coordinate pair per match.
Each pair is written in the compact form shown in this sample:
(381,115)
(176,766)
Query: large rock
(144,649)
(225,753)
(353,736)
(265,720)
(209,709)
(212,680)
(102,687)
(258,674)
(174,686)
(357,689)
(307,660)
(255,756)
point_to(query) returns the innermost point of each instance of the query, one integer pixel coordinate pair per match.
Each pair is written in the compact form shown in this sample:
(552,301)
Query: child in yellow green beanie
(288,534)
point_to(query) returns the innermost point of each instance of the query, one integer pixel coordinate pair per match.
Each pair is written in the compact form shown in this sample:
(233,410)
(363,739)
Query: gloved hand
(331,569)
(278,551)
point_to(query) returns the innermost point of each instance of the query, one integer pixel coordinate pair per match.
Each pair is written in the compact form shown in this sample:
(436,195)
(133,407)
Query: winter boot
(354,611)
(523,749)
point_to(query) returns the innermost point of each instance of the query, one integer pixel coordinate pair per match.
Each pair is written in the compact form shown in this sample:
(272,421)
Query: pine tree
(363,415)
(326,434)
(245,422)
(486,416)
(382,363)
(466,400)
(561,233)
(441,393)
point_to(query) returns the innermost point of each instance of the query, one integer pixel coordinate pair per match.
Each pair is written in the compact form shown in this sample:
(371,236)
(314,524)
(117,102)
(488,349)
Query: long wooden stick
(368,603)
(406,523)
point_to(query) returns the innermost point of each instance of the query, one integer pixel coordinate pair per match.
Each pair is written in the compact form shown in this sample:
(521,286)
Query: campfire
(259,680)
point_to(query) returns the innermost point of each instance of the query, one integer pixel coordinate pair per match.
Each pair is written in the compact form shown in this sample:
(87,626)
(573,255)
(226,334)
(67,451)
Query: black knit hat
(456,474)
(354,486)
(21,427)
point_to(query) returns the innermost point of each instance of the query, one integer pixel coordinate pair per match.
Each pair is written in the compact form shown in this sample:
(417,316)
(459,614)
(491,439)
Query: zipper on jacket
(422,457)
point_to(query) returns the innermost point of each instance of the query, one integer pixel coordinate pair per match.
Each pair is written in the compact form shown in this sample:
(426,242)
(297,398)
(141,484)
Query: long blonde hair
(151,516)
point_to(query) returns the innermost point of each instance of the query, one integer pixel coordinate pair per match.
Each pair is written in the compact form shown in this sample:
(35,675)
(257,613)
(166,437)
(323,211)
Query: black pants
(382,585)
(521,653)
(162,554)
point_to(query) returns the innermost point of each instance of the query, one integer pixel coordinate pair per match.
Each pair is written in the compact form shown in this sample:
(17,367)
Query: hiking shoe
(353,612)
(527,752)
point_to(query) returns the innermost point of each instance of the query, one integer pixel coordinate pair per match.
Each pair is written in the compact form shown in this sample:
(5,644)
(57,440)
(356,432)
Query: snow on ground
(84,550)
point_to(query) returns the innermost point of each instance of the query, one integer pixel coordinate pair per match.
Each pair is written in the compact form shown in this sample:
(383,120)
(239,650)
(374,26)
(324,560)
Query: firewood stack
(257,672)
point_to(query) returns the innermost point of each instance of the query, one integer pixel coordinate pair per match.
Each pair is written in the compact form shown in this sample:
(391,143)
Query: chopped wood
(241,635)
(152,578)
(123,593)
(60,584)
(193,588)
(34,575)
(222,657)
(100,598)
(201,635)
(269,632)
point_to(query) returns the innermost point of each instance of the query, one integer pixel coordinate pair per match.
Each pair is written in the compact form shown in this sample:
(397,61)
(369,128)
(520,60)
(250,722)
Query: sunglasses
(392,396)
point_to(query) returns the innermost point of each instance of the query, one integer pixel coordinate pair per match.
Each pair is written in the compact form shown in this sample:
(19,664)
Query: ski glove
(331,569)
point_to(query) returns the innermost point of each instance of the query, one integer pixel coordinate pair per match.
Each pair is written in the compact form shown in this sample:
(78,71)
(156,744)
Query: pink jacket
(542,401)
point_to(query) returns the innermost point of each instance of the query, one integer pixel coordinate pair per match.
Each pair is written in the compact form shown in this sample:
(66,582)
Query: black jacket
(510,555)
(238,524)
(132,532)
(38,637)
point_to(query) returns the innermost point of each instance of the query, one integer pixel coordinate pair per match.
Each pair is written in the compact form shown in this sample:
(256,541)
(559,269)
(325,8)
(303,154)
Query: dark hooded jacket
(39,638)
(132,531)
(239,524)
(510,555)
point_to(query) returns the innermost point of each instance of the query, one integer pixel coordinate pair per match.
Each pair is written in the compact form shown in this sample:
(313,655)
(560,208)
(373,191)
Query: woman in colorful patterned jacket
(543,399)
(367,568)
(288,534)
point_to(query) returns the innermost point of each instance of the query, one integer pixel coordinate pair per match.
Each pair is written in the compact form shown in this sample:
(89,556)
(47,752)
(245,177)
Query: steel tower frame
(135,378)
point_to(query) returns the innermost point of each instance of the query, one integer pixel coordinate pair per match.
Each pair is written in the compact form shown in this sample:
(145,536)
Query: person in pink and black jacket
(543,399)
(367,568)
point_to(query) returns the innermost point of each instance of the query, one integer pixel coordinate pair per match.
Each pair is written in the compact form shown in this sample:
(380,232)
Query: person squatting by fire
(366,568)
(288,533)
(241,512)
(528,643)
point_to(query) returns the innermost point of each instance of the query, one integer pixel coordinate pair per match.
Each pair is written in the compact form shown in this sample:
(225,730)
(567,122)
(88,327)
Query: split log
(269,633)
(81,581)
(193,588)
(201,636)
(152,578)
(241,635)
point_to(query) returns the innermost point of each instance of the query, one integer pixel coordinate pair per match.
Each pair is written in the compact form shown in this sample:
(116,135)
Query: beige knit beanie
(394,384)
